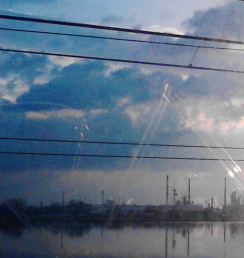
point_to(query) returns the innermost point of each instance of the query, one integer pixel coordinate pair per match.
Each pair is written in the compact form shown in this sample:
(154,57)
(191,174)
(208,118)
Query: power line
(113,156)
(123,61)
(121,143)
(120,39)
(118,29)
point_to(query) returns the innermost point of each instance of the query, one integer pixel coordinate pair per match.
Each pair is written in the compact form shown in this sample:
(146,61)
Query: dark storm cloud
(15,124)
(87,86)
(24,66)
(108,126)
(40,42)
(219,22)
(90,86)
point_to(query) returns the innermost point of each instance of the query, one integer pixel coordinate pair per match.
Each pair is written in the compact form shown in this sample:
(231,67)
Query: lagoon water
(203,240)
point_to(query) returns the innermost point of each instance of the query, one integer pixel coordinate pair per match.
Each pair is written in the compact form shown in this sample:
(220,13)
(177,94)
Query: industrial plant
(179,209)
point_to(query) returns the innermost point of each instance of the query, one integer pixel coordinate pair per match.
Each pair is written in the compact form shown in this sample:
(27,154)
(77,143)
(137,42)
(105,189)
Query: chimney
(225,193)
(102,197)
(167,190)
(189,191)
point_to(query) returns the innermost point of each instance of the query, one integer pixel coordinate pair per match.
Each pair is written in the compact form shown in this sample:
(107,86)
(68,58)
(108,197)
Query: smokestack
(174,195)
(225,193)
(167,190)
(189,190)
(102,197)
(212,202)
(63,193)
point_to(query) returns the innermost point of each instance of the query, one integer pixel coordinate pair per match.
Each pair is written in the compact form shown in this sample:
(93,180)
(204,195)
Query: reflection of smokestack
(225,193)
(224,232)
(102,197)
(166,243)
(188,242)
(189,190)
(167,190)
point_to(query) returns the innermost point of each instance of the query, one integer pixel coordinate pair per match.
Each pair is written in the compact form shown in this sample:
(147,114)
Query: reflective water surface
(216,239)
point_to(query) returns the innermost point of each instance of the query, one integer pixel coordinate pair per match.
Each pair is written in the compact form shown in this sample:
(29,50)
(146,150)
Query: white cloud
(64,113)
(232,125)
(138,112)
(8,97)
(214,116)
(123,101)
(3,81)
(63,61)
(159,28)
(200,123)
(43,79)
(20,88)
(97,111)
(113,67)
(12,93)
(237,102)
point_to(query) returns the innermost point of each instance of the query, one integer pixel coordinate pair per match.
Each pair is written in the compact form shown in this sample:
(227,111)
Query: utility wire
(121,143)
(119,29)
(121,39)
(123,61)
(113,156)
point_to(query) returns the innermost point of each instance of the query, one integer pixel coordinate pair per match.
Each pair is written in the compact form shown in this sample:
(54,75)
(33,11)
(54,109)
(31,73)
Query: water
(203,240)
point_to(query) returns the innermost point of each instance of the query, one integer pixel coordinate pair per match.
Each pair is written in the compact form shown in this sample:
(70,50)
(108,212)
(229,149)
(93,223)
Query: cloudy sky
(76,99)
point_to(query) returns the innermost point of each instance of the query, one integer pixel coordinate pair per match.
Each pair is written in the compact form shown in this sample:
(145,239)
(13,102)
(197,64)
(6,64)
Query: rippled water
(166,240)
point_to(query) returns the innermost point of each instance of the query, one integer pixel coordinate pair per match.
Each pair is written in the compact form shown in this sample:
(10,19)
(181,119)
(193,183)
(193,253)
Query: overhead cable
(120,39)
(123,61)
(120,143)
(118,29)
(114,156)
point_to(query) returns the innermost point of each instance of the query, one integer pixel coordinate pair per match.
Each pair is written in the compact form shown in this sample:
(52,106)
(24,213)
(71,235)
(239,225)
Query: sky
(77,99)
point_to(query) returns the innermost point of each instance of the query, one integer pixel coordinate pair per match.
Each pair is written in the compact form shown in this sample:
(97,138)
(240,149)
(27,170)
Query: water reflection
(163,240)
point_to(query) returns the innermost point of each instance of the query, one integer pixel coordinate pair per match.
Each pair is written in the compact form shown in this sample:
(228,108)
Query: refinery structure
(175,208)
